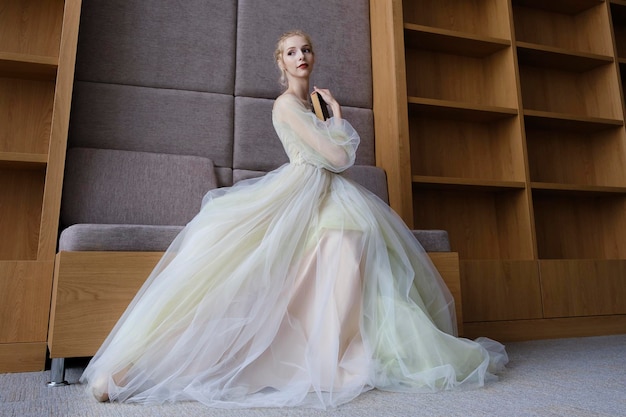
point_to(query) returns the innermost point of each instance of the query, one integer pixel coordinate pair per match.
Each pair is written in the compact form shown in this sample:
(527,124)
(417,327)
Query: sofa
(172,99)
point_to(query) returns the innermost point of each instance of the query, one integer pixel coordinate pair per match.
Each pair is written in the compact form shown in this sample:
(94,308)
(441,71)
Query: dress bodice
(292,150)
(329,144)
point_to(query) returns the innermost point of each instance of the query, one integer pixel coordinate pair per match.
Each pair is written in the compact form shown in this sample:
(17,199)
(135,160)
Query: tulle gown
(300,288)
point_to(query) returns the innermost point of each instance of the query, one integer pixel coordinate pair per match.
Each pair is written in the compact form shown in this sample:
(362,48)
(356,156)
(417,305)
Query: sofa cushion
(132,118)
(117,237)
(126,237)
(363,122)
(244,174)
(183,45)
(371,177)
(126,187)
(256,144)
(433,240)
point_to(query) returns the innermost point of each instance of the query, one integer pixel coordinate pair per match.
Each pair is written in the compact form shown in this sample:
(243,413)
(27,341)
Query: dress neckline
(304,103)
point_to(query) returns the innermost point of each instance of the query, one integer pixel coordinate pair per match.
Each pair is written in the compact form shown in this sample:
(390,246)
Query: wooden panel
(561,6)
(421,182)
(390,103)
(14,65)
(592,93)
(538,119)
(20,211)
(457,111)
(563,59)
(481,225)
(447,263)
(618,14)
(60,125)
(480,81)
(31,68)
(16,160)
(484,17)
(450,148)
(519,330)
(583,287)
(31,26)
(443,40)
(575,226)
(587,31)
(466,164)
(22,357)
(26,127)
(91,291)
(500,290)
(571,157)
(25,289)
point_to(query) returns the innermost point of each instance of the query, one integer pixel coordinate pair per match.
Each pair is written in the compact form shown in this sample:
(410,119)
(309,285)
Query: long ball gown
(300,288)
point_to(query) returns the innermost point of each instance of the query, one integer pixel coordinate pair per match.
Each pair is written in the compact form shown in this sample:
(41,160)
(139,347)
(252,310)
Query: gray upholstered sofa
(170,100)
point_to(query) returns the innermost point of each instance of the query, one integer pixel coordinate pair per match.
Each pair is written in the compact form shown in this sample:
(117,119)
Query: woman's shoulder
(287,103)
(286,98)
(281,100)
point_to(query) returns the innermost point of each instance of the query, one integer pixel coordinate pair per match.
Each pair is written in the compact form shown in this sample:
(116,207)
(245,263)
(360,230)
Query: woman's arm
(334,141)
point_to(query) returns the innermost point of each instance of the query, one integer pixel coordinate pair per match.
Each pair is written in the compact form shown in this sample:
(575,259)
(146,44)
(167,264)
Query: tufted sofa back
(198,78)
(173,99)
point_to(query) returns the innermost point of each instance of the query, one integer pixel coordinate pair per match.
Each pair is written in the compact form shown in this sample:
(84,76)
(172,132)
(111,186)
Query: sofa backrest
(109,186)
(198,77)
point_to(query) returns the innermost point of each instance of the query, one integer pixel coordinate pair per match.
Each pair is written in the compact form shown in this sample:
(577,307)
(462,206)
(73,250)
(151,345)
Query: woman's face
(297,57)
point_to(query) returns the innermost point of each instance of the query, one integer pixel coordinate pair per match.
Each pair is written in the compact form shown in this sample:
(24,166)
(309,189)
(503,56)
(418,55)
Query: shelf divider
(424,181)
(22,160)
(577,189)
(559,58)
(459,110)
(560,6)
(28,66)
(552,120)
(449,41)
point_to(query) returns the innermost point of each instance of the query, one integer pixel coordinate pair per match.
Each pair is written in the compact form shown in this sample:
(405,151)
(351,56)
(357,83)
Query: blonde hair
(280,47)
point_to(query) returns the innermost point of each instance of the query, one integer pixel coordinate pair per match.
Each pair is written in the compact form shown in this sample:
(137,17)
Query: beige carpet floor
(561,377)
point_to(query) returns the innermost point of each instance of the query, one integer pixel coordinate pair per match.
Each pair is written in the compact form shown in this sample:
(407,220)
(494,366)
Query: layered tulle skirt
(300,288)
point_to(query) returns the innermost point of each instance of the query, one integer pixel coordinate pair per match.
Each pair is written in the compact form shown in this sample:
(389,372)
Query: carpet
(559,377)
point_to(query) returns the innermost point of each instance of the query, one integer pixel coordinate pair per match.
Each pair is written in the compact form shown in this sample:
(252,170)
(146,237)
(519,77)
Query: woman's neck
(300,89)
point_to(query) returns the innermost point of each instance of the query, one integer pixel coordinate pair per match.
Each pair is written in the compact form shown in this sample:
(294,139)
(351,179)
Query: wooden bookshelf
(514,135)
(37,54)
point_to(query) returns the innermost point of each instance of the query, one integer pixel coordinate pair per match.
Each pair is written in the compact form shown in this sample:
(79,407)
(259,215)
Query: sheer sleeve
(329,144)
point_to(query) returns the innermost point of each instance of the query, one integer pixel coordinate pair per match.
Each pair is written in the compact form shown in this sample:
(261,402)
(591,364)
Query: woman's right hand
(330,100)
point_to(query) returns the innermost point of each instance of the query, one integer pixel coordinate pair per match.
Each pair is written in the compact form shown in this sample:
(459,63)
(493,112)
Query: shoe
(99,389)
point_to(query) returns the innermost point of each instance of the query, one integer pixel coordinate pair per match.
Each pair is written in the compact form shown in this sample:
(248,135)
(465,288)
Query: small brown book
(319,106)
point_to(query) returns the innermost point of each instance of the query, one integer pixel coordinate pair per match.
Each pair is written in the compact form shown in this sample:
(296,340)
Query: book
(319,106)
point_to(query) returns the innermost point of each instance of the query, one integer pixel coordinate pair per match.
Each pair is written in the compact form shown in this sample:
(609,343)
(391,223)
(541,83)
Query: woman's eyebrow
(306,45)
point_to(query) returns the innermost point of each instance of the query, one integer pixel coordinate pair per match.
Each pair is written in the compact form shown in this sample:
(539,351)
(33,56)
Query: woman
(300,288)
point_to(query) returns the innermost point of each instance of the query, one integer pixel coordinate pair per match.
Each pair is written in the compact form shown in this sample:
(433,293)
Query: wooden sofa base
(22,357)
(91,290)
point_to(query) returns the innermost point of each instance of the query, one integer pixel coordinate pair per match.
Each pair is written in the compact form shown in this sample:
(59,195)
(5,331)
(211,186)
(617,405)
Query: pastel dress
(299,288)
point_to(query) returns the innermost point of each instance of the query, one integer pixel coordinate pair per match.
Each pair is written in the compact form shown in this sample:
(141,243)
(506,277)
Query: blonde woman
(300,288)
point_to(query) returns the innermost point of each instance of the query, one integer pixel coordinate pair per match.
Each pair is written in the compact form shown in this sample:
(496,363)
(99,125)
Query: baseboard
(520,330)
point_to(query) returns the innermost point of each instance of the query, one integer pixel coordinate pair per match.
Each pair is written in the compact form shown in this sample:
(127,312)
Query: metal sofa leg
(57,373)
